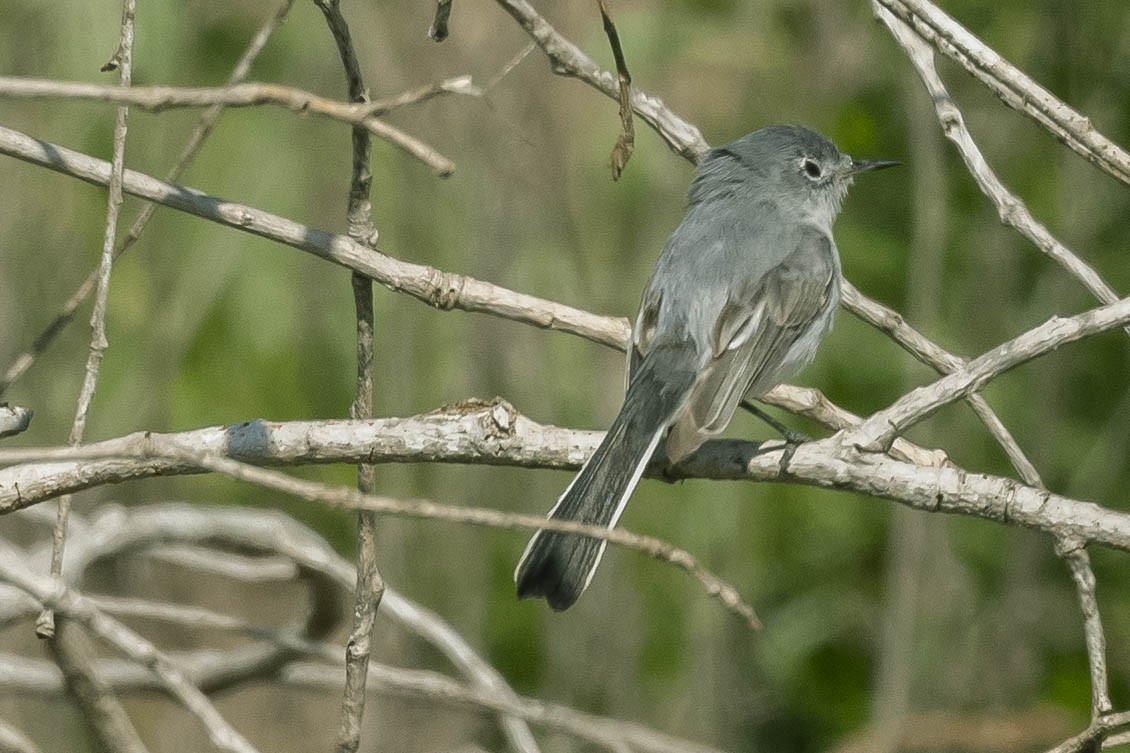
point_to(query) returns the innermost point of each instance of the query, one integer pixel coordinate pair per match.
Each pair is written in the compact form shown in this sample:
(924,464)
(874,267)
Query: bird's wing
(750,341)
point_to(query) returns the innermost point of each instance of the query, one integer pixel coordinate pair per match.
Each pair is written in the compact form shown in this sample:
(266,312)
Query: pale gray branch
(495,434)
(51,593)
(123,61)
(566,59)
(34,676)
(115,531)
(893,324)
(878,431)
(158,98)
(1079,562)
(442,290)
(1012,85)
(1011,209)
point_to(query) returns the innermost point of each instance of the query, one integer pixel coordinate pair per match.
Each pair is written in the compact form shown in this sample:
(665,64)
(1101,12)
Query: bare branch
(566,59)
(495,434)
(895,326)
(62,600)
(114,531)
(122,61)
(1079,562)
(200,133)
(440,289)
(1098,732)
(370,586)
(34,676)
(1012,85)
(418,508)
(105,715)
(157,98)
(1012,211)
(878,431)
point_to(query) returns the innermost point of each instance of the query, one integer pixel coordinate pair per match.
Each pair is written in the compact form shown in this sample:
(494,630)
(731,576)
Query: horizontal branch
(246,94)
(158,98)
(39,677)
(442,290)
(495,434)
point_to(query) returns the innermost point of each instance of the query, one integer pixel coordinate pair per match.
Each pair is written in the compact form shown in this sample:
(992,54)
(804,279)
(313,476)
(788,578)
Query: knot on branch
(500,419)
(446,290)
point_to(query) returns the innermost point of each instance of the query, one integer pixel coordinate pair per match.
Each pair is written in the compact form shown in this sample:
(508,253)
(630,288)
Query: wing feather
(752,339)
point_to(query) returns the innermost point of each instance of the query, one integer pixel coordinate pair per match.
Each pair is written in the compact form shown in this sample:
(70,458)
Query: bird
(741,295)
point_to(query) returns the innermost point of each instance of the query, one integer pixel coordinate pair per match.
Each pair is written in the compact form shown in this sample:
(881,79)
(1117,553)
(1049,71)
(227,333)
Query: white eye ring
(811,168)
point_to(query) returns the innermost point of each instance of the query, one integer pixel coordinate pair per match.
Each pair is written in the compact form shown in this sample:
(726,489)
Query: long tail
(559,566)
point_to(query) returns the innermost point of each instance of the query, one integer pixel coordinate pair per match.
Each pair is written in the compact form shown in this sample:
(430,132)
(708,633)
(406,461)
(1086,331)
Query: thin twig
(67,603)
(626,141)
(1012,85)
(343,497)
(203,128)
(122,60)
(157,98)
(566,59)
(72,652)
(370,586)
(1073,553)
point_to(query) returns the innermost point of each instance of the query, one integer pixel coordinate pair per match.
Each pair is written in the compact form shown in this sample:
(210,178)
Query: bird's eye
(811,168)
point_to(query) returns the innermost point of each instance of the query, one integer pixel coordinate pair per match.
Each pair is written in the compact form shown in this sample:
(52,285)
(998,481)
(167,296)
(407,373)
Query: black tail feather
(558,566)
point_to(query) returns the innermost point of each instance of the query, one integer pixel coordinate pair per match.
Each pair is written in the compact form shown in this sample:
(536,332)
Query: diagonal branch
(566,59)
(925,350)
(1012,85)
(343,497)
(200,133)
(442,290)
(1013,213)
(67,603)
(878,431)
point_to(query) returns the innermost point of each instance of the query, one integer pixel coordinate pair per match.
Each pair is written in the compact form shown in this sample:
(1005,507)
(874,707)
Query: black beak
(863,165)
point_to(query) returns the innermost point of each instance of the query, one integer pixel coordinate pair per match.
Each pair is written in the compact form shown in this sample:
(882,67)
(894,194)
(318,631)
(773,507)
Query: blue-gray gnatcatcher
(742,294)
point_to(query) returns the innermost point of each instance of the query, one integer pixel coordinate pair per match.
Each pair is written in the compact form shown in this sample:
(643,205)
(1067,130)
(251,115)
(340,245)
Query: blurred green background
(871,612)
